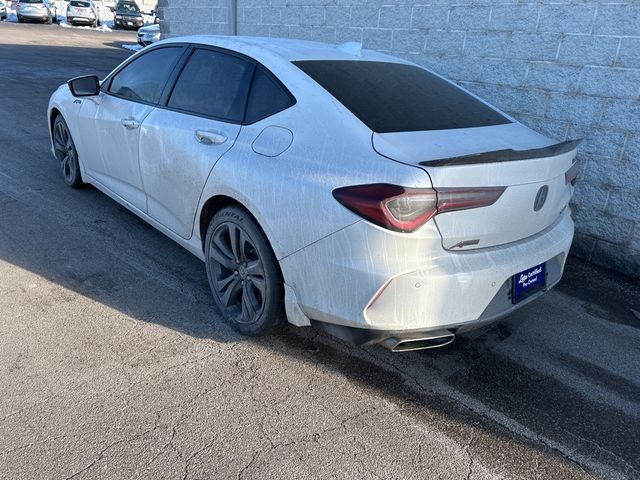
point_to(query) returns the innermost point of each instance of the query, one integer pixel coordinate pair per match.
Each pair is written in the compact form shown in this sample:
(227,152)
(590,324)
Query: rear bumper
(33,16)
(86,20)
(366,278)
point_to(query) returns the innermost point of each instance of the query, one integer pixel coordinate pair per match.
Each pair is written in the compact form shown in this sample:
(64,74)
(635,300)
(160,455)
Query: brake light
(571,175)
(407,209)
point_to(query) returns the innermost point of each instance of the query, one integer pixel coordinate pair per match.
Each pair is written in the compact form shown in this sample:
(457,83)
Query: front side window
(145,77)
(396,97)
(213,84)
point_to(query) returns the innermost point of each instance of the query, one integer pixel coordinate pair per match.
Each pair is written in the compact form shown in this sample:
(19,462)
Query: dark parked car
(128,15)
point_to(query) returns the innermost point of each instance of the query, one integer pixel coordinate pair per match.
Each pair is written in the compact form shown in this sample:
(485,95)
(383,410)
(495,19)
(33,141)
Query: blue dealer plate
(528,282)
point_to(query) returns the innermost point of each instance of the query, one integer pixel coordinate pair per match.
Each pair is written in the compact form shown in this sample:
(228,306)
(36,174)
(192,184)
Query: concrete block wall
(568,68)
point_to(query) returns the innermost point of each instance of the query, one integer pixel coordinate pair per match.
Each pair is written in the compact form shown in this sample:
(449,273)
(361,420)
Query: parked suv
(39,10)
(83,11)
(128,15)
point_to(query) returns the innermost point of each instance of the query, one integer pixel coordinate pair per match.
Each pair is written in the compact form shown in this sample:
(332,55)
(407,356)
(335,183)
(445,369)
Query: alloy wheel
(65,151)
(238,273)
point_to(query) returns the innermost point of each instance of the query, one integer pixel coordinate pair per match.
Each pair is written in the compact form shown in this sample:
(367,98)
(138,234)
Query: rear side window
(145,77)
(213,84)
(267,97)
(394,97)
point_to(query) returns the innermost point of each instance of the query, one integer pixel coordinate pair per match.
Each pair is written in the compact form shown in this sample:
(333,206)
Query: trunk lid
(530,166)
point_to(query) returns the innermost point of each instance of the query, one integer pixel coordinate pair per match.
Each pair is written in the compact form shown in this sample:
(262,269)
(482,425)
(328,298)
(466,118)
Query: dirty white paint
(283,170)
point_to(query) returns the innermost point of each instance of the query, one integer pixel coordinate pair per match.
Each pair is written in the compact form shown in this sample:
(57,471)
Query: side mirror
(87,86)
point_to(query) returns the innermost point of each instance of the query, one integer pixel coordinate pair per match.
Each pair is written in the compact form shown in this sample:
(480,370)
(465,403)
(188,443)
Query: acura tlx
(326,185)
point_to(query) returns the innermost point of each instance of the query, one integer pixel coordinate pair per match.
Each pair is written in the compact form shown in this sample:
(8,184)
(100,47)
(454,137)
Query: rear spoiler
(507,155)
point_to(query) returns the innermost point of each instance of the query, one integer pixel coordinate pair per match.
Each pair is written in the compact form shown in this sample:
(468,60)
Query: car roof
(287,49)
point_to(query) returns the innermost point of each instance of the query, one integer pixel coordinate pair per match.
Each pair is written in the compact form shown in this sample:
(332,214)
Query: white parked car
(148,35)
(83,12)
(37,10)
(351,189)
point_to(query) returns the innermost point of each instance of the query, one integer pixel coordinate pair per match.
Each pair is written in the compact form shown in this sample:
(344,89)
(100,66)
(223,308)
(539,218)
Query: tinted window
(267,97)
(127,8)
(78,3)
(393,97)
(145,77)
(213,84)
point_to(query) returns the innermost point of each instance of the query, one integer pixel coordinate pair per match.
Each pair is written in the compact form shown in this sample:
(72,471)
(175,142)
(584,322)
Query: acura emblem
(541,197)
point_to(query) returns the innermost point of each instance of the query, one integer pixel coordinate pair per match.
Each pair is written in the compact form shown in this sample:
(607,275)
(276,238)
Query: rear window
(77,3)
(394,97)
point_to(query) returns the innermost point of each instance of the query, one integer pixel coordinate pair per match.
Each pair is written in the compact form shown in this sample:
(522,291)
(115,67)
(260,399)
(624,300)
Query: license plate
(130,23)
(528,282)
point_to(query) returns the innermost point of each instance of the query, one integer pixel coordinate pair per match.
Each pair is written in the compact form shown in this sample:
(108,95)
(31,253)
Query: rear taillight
(572,174)
(407,209)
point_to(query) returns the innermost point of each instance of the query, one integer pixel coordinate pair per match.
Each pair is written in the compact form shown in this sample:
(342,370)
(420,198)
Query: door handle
(207,137)
(130,123)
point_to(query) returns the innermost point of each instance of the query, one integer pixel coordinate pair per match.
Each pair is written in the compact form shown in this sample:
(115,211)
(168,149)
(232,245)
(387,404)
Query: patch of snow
(133,47)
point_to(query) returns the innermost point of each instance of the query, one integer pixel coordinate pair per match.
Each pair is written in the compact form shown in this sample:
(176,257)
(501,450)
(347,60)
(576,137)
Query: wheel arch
(216,203)
(52,117)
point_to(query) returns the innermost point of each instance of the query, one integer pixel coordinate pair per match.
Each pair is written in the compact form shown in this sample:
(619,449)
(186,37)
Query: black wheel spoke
(58,140)
(254,267)
(231,291)
(222,257)
(235,240)
(248,306)
(258,283)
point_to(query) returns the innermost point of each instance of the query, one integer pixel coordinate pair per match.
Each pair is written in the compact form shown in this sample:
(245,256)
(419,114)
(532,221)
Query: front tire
(243,273)
(66,153)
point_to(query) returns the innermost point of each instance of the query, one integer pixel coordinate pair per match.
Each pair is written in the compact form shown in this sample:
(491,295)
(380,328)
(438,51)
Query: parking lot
(115,364)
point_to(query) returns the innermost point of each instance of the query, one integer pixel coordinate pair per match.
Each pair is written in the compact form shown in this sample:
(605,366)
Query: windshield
(128,8)
(31,1)
(78,3)
(396,97)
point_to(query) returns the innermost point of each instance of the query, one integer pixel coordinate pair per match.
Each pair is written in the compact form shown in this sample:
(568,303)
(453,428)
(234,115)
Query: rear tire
(66,153)
(243,273)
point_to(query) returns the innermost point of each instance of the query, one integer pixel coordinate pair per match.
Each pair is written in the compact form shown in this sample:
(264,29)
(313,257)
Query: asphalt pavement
(114,362)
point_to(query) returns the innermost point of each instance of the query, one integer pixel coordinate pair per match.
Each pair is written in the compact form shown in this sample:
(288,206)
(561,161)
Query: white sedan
(148,35)
(326,185)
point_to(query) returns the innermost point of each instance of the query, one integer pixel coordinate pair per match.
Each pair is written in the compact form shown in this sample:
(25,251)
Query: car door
(110,124)
(182,140)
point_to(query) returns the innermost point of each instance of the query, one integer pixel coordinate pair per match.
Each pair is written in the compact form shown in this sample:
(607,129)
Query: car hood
(129,14)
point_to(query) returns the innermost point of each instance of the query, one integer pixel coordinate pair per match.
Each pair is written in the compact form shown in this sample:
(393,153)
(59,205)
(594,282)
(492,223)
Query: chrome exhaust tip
(422,341)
